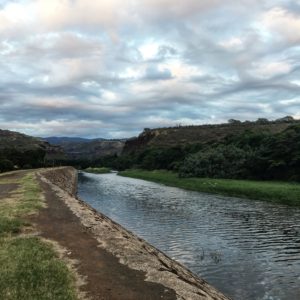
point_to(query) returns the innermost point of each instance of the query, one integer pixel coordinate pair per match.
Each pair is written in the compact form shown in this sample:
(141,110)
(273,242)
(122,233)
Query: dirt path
(98,244)
(106,278)
(8,183)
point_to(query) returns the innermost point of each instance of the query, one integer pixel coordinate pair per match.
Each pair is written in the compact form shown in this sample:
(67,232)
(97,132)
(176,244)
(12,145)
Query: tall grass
(272,191)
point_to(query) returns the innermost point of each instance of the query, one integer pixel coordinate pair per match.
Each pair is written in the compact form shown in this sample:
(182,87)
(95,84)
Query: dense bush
(21,159)
(160,158)
(6,165)
(222,161)
(249,155)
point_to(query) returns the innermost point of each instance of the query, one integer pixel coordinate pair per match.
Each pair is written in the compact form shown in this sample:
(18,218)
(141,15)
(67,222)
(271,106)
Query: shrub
(6,165)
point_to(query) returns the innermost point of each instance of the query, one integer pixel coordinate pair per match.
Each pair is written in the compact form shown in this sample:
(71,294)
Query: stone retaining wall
(65,177)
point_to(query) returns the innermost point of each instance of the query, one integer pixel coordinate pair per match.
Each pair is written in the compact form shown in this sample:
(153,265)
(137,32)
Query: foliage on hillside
(81,151)
(251,150)
(247,155)
(184,135)
(21,151)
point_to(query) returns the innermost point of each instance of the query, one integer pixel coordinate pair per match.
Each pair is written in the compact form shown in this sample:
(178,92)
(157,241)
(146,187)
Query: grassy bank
(277,192)
(30,268)
(97,170)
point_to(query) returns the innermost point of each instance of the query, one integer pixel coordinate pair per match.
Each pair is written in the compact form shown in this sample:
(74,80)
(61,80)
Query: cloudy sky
(109,68)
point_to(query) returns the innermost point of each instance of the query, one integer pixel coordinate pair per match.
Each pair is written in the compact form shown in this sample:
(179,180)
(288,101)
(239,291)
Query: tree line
(249,155)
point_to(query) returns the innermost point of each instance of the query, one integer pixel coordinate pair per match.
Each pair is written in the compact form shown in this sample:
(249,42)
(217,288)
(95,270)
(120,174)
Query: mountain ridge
(77,148)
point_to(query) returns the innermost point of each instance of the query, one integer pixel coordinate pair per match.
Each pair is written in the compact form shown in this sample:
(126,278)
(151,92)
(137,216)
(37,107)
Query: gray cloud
(111,68)
(154,73)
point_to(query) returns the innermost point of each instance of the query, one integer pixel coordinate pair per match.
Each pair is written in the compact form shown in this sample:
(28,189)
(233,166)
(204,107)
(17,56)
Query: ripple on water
(247,249)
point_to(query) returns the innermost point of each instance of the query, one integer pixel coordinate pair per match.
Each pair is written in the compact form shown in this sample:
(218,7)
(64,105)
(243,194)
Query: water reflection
(247,249)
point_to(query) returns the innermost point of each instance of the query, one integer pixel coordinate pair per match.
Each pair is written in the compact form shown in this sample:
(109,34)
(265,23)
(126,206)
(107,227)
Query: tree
(287,119)
(6,165)
(234,122)
(222,161)
(262,121)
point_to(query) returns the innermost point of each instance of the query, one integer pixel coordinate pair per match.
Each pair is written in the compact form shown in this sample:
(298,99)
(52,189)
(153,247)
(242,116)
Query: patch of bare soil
(7,183)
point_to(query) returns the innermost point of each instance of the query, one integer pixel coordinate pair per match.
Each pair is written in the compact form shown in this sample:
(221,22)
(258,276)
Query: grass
(101,170)
(9,225)
(30,268)
(272,191)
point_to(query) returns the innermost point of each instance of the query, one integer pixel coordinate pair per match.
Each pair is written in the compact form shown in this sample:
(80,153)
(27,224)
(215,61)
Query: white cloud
(149,50)
(58,14)
(232,44)
(284,23)
(270,69)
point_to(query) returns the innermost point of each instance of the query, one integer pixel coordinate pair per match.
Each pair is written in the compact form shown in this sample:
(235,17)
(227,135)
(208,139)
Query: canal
(247,249)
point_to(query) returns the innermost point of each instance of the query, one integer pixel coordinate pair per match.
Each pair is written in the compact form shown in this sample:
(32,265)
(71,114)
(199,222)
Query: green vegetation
(169,148)
(249,155)
(11,158)
(25,201)
(30,268)
(272,191)
(102,170)
(6,165)
(20,151)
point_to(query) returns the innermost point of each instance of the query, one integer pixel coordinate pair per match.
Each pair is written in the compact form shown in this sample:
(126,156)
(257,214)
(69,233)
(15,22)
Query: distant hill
(77,148)
(22,150)
(54,140)
(261,150)
(201,134)
(22,142)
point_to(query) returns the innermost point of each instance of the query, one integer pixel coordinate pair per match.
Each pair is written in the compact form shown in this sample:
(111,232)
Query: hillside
(20,150)
(87,149)
(22,142)
(263,149)
(54,140)
(202,134)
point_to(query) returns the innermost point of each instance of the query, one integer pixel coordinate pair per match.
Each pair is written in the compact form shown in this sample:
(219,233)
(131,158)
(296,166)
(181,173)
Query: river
(247,249)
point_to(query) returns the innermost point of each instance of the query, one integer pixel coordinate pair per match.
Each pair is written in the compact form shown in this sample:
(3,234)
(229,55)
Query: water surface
(247,249)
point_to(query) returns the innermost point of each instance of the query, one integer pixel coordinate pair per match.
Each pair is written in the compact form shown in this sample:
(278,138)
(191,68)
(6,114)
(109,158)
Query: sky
(109,68)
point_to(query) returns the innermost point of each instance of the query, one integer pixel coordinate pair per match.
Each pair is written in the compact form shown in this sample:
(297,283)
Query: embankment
(287,193)
(131,251)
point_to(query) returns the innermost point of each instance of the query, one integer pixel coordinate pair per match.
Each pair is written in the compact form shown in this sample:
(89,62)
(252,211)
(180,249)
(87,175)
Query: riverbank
(272,191)
(102,170)
(30,266)
(81,253)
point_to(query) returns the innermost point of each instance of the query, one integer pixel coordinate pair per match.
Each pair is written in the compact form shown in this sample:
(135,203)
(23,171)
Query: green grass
(272,191)
(10,225)
(30,268)
(102,170)
(23,201)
